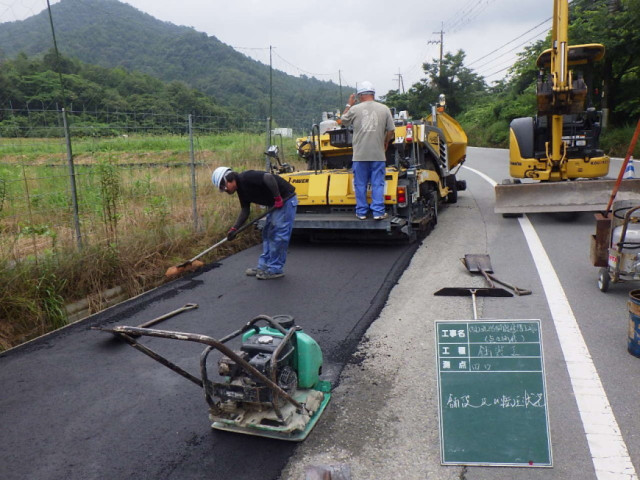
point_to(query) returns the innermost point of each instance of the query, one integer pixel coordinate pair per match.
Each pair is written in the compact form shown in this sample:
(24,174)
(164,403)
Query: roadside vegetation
(486,111)
(136,221)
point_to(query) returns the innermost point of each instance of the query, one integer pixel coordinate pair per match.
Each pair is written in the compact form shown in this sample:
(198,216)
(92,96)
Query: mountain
(109,33)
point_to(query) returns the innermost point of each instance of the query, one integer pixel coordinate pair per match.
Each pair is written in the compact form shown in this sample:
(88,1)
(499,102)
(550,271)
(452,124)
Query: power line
(498,71)
(468,16)
(302,70)
(509,51)
(456,15)
(249,48)
(510,41)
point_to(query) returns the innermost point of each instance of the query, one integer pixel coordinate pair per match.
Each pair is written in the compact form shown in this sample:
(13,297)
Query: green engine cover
(307,360)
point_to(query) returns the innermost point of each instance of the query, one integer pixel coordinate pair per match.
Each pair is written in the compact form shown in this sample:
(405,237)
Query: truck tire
(523,130)
(450,181)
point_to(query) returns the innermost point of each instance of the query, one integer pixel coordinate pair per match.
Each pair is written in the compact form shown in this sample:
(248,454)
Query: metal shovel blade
(478,262)
(469,291)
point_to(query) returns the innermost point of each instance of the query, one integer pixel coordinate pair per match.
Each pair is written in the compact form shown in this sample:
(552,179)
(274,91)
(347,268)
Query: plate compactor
(270,387)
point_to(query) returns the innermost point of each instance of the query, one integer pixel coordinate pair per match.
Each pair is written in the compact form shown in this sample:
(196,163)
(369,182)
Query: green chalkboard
(493,400)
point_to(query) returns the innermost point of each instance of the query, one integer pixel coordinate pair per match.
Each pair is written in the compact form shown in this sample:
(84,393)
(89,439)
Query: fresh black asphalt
(81,404)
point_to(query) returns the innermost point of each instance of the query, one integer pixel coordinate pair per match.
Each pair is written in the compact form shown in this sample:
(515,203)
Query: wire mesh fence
(104,179)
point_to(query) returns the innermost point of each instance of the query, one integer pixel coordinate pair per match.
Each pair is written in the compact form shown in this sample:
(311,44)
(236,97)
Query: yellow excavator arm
(561,142)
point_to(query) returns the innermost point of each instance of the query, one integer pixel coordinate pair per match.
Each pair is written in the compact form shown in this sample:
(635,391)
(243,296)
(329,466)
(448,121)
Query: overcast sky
(377,40)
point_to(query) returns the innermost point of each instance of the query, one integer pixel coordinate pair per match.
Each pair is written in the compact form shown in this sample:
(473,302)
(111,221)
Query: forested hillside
(486,111)
(108,33)
(31,93)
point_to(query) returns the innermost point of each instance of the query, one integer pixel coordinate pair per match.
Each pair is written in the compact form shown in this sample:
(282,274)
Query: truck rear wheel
(450,182)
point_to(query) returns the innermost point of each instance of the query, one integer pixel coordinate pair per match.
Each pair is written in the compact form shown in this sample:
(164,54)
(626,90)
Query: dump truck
(420,177)
(555,161)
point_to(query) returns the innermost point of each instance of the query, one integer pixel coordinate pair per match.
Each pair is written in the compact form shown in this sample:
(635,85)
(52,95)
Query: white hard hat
(218,174)
(366,87)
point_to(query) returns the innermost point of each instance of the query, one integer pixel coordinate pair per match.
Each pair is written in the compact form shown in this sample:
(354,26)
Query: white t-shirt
(371,121)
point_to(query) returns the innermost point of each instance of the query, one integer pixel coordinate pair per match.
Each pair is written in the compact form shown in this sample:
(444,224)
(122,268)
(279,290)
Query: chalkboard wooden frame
(492,393)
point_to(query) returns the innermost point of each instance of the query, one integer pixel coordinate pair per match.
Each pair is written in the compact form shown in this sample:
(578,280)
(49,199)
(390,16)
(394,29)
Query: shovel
(193,264)
(476,262)
(473,292)
(161,318)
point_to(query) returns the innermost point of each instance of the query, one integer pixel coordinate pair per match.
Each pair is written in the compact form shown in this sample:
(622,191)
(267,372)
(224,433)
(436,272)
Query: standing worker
(373,129)
(269,190)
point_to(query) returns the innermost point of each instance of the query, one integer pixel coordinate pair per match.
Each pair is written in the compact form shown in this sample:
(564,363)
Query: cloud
(379,41)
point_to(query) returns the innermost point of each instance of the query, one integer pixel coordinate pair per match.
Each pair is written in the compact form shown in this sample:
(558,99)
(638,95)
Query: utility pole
(400,81)
(441,42)
(270,91)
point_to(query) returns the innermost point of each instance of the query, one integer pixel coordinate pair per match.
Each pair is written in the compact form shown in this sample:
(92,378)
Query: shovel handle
(488,278)
(516,290)
(242,228)
(187,306)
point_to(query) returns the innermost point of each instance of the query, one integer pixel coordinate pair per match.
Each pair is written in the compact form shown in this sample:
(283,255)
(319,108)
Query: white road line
(608,451)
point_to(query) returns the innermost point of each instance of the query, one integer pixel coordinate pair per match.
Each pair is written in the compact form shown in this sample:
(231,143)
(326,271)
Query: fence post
(72,179)
(267,161)
(194,195)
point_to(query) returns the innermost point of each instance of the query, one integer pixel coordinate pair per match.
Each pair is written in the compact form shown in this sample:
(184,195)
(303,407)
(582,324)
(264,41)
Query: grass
(135,212)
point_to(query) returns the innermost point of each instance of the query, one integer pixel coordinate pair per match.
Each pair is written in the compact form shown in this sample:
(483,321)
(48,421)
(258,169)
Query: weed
(137,217)
(110,196)
(3,192)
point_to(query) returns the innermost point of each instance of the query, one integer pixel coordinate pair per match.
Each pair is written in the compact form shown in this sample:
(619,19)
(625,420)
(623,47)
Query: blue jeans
(276,235)
(363,174)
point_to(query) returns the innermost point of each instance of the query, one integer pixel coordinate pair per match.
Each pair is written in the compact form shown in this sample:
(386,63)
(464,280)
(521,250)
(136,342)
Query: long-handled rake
(193,264)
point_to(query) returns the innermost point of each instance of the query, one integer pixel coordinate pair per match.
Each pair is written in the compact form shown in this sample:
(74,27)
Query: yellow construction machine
(419,177)
(561,144)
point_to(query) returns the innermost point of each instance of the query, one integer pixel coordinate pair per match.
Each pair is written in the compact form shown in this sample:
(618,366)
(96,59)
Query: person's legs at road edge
(361,174)
(276,239)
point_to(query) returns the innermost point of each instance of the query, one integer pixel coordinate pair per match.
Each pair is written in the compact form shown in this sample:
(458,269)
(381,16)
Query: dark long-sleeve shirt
(259,187)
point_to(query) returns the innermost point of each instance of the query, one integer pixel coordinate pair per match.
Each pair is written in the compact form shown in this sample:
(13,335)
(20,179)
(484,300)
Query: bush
(615,141)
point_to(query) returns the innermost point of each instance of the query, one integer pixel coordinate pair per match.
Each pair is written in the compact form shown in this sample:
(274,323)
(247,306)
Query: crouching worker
(269,190)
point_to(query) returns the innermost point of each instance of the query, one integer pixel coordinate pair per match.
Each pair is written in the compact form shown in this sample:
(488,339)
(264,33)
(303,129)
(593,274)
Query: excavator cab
(561,143)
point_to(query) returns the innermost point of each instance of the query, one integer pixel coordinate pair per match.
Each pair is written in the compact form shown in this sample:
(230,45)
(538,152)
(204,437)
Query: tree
(615,25)
(458,83)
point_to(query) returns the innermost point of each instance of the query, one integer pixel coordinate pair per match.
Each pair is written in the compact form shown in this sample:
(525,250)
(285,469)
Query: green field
(135,217)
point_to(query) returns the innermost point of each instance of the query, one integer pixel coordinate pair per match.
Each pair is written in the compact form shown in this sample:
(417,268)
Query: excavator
(555,160)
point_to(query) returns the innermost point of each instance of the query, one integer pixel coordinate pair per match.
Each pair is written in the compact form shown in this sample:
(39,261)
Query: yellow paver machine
(422,163)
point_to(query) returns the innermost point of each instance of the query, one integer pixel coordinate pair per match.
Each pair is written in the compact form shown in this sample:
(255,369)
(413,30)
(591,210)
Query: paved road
(79,404)
(384,419)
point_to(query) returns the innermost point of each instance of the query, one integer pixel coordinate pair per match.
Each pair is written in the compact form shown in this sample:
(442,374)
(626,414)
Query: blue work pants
(276,235)
(369,173)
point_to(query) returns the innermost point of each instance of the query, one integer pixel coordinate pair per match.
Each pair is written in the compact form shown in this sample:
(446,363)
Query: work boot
(253,272)
(262,275)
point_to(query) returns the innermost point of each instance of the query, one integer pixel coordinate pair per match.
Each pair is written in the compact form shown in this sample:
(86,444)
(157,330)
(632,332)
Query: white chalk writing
(524,400)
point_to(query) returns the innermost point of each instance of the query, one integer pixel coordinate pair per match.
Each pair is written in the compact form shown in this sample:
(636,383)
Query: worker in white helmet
(373,129)
(269,190)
